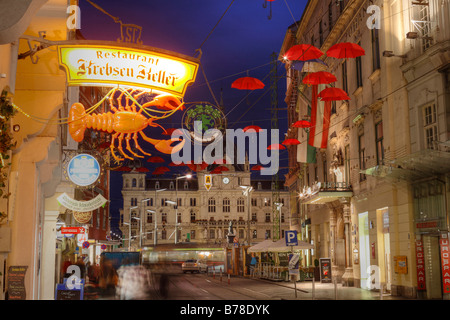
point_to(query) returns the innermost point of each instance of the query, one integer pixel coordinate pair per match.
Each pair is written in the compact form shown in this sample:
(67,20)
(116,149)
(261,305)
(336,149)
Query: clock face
(226,180)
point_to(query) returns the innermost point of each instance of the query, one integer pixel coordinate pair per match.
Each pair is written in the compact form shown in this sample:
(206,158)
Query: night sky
(243,41)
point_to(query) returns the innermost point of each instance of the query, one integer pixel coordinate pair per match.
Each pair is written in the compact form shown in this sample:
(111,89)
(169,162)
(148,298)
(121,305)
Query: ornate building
(366,199)
(203,216)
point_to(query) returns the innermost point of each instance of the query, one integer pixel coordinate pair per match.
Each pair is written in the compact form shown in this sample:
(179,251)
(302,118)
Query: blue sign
(83,170)
(291,238)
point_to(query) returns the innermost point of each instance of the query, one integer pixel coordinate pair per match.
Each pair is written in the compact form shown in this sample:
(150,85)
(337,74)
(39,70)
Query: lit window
(430,125)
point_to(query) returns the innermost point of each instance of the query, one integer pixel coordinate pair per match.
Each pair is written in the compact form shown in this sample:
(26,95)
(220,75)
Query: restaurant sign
(81,206)
(100,65)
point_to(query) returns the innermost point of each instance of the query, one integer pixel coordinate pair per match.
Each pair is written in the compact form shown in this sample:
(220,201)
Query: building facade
(359,197)
(203,216)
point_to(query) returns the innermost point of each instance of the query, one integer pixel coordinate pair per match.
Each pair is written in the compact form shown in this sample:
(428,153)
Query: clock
(226,180)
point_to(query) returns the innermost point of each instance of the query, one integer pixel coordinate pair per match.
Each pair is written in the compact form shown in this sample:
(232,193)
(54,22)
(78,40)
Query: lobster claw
(165,145)
(165,102)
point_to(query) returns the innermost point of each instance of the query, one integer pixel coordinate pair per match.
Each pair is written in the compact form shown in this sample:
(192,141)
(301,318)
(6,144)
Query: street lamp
(155,233)
(188,176)
(129,228)
(246,192)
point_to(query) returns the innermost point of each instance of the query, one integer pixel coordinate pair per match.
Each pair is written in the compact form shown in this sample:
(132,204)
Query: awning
(280,246)
(260,247)
(423,164)
(322,197)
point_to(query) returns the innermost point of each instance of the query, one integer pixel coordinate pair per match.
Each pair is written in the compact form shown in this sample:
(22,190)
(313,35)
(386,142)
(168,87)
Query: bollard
(214,273)
(228,278)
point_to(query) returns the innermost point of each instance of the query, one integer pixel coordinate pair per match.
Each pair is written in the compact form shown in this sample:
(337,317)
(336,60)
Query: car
(193,265)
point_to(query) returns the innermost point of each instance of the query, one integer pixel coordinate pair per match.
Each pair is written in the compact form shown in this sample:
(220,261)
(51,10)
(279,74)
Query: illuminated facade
(203,216)
(363,214)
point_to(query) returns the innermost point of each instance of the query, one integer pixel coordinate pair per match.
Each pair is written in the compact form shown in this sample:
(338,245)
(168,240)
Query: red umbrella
(303,52)
(321,77)
(155,159)
(157,172)
(163,169)
(302,124)
(257,167)
(333,94)
(172,164)
(170,131)
(222,168)
(290,142)
(124,169)
(142,169)
(345,50)
(255,128)
(276,146)
(247,83)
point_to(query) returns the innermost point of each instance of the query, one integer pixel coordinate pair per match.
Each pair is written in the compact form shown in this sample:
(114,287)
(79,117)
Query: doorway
(364,247)
(431,252)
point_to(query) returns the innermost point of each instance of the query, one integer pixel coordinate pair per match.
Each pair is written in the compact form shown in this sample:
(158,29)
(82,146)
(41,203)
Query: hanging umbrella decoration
(252,127)
(276,146)
(256,167)
(320,77)
(345,50)
(302,124)
(333,94)
(290,142)
(142,169)
(247,83)
(155,159)
(265,6)
(303,52)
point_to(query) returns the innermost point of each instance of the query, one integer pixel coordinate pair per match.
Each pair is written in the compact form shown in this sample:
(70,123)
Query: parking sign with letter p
(291,238)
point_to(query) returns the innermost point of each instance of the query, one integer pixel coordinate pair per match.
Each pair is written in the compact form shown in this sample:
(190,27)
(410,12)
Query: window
(211,205)
(192,234)
(422,24)
(179,202)
(149,217)
(212,233)
(163,234)
(266,202)
(254,202)
(226,205)
(186,185)
(150,202)
(375,49)
(134,183)
(267,234)
(344,76)
(325,169)
(157,185)
(259,185)
(193,216)
(133,202)
(179,217)
(430,125)
(171,185)
(134,222)
(254,234)
(193,202)
(359,81)
(241,234)
(240,205)
(347,163)
(254,216)
(164,217)
(267,216)
(362,150)
(341,6)
(379,142)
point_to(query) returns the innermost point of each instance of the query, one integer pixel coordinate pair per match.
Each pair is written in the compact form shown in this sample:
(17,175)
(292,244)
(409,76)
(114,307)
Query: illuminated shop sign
(83,170)
(110,66)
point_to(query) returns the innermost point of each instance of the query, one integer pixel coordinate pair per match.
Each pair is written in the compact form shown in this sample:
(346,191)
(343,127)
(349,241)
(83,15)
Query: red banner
(420,262)
(72,230)
(445,261)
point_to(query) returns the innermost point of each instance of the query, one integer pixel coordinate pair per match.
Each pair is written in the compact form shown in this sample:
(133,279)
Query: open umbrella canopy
(255,128)
(257,167)
(276,146)
(290,142)
(222,168)
(333,94)
(303,52)
(247,83)
(123,169)
(163,169)
(320,77)
(345,50)
(215,171)
(142,169)
(155,159)
(280,246)
(302,124)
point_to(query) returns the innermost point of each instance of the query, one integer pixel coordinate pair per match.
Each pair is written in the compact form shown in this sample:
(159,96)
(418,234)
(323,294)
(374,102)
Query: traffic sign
(291,238)
(208,181)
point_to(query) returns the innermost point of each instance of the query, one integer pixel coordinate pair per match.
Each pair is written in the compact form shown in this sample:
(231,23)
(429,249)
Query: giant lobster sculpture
(126,122)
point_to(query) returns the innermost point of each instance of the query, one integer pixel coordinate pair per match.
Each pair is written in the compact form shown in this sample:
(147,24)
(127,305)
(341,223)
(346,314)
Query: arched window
(164,217)
(211,205)
(157,185)
(267,216)
(193,216)
(149,217)
(226,205)
(240,204)
(171,185)
(134,183)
